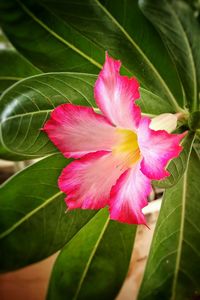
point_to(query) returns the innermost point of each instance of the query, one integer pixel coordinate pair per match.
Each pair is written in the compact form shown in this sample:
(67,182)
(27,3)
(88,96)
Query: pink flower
(117,152)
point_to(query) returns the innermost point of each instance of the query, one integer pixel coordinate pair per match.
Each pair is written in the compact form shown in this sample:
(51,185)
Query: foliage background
(58,48)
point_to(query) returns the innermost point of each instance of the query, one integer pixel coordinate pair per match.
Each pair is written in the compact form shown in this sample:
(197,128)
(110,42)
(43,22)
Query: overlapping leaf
(94,21)
(33,222)
(14,68)
(42,44)
(173,266)
(73,36)
(140,30)
(180,32)
(94,263)
(26,106)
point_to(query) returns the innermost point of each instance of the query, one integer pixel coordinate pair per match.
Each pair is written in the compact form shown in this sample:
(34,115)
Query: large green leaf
(26,106)
(33,222)
(192,28)
(14,68)
(180,32)
(172,270)
(108,32)
(73,36)
(42,44)
(94,263)
(178,165)
(131,19)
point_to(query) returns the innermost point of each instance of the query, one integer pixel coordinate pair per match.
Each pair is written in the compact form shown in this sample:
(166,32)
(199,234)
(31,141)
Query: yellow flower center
(127,145)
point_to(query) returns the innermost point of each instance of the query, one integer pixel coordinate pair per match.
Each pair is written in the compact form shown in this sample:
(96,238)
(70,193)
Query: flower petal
(88,181)
(78,130)
(129,196)
(157,148)
(115,95)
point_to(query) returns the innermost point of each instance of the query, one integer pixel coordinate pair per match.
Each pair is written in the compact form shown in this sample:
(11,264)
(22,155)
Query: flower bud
(165,121)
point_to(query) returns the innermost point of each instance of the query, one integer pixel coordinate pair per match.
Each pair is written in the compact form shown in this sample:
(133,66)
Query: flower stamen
(126,146)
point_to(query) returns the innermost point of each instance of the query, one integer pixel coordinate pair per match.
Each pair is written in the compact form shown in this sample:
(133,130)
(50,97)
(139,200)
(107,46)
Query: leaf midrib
(11,78)
(170,95)
(29,215)
(90,258)
(53,33)
(19,153)
(190,54)
(180,243)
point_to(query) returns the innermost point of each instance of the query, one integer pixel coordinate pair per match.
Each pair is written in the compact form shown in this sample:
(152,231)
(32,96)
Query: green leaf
(108,32)
(4,42)
(180,32)
(94,263)
(152,104)
(196,145)
(73,36)
(45,47)
(25,107)
(129,16)
(194,120)
(14,68)
(178,165)
(191,26)
(172,270)
(33,222)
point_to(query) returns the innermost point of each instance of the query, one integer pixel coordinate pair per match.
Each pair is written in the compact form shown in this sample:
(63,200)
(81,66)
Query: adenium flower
(117,152)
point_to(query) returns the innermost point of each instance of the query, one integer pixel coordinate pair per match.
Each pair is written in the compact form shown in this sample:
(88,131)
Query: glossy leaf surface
(94,263)
(50,48)
(14,68)
(73,36)
(99,22)
(33,222)
(173,266)
(26,106)
(180,32)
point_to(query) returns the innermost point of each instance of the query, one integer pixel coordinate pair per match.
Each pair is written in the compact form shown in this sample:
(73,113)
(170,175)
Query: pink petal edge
(157,148)
(129,196)
(115,95)
(88,181)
